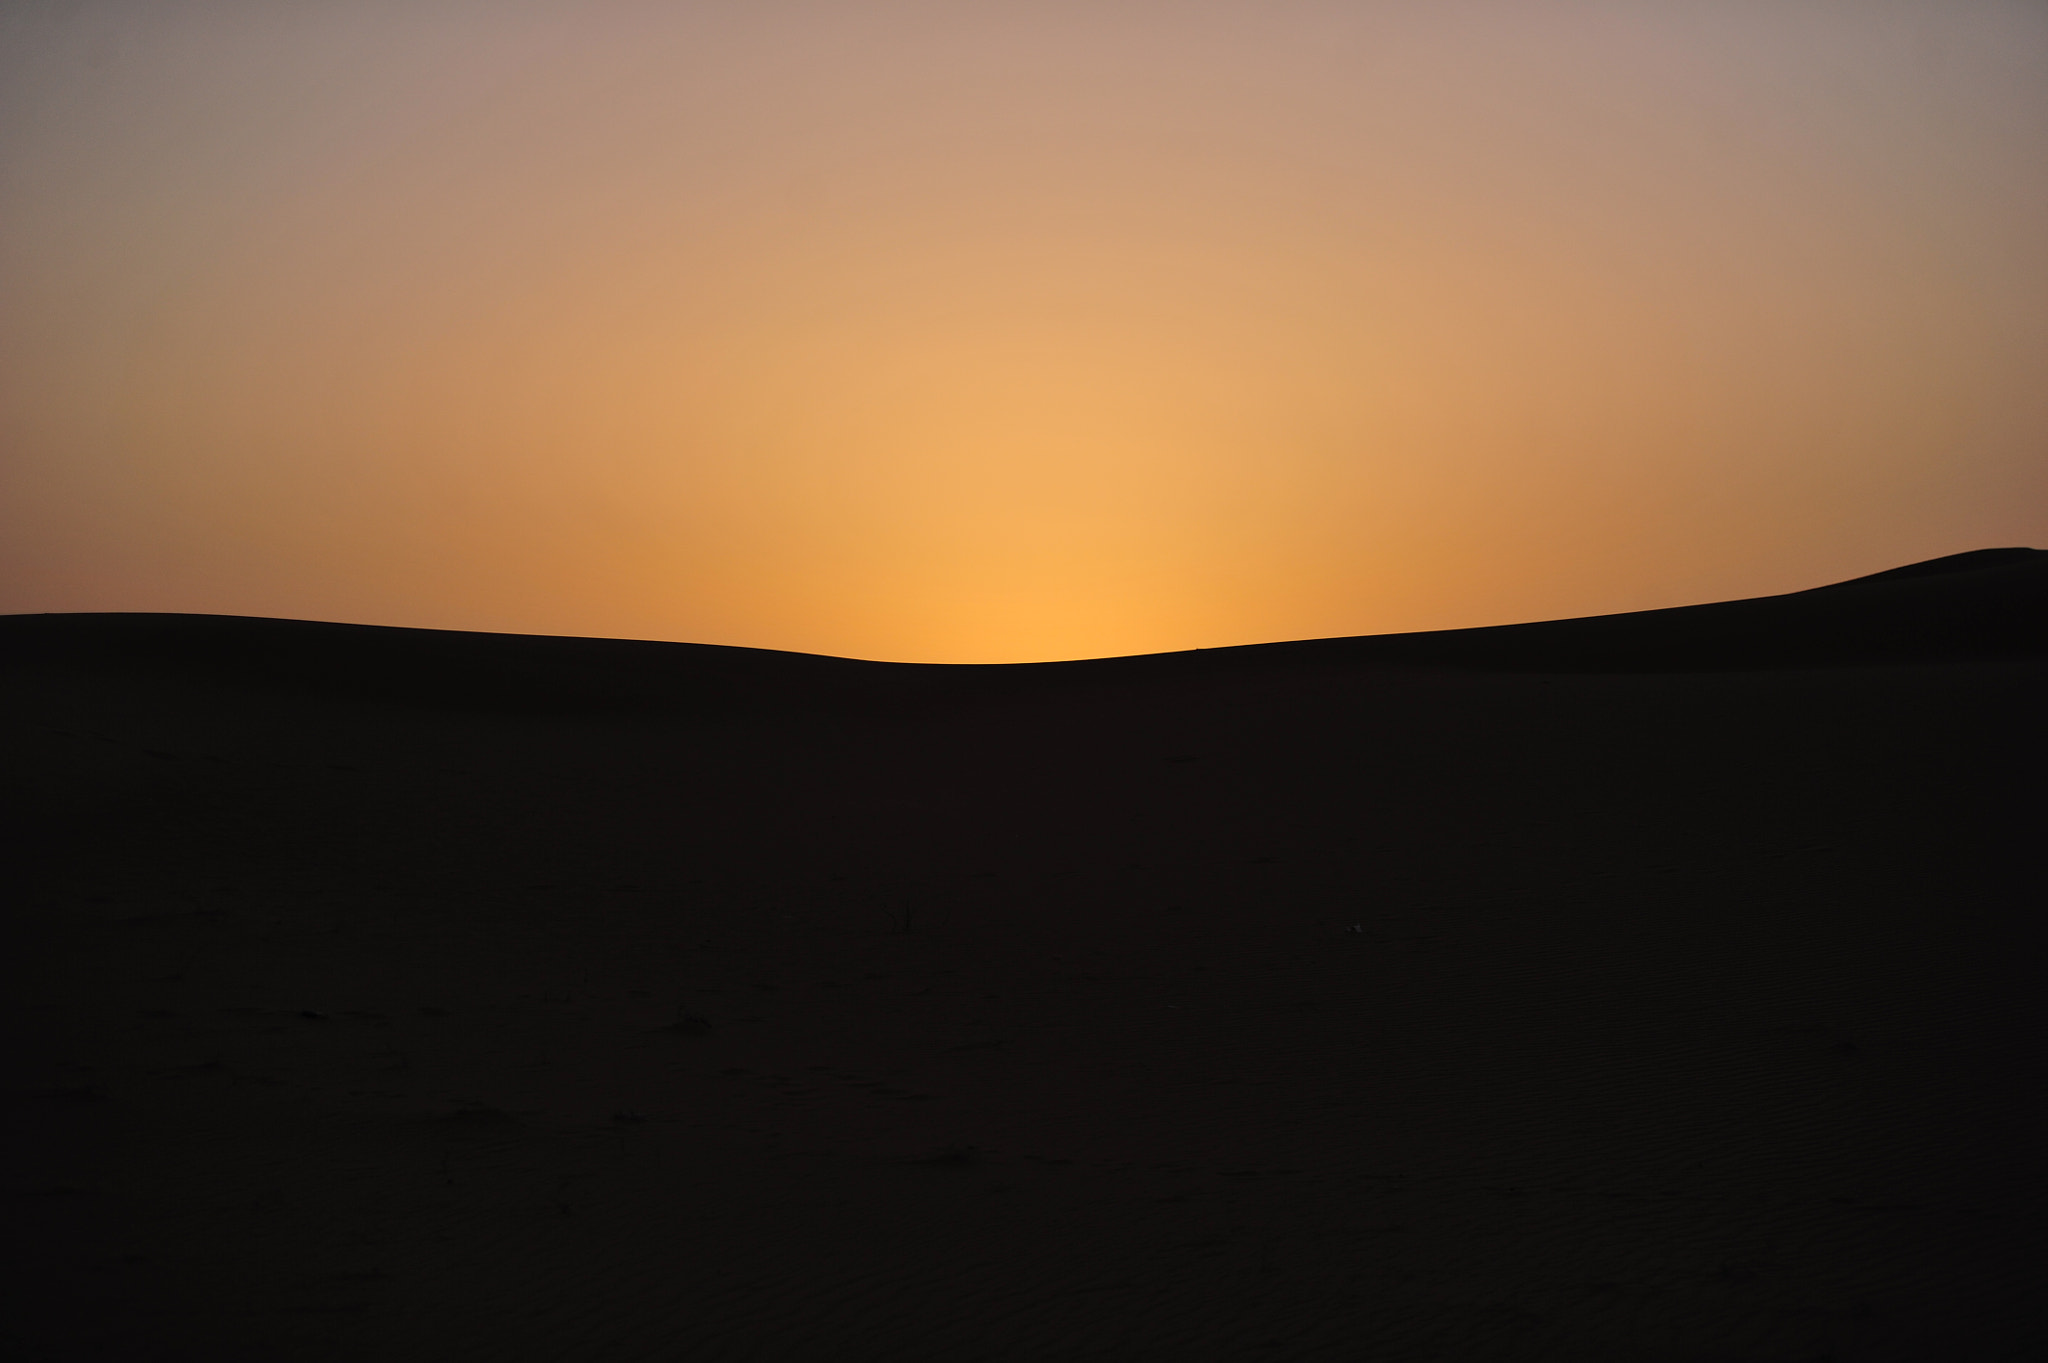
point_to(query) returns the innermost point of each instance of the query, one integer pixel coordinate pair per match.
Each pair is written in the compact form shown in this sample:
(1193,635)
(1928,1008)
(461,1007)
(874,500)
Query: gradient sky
(998,331)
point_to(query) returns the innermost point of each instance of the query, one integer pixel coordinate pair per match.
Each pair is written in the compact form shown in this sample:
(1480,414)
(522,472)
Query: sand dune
(1651,987)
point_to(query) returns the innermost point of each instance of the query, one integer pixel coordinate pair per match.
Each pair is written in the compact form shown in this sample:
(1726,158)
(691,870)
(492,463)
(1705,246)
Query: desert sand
(1653,987)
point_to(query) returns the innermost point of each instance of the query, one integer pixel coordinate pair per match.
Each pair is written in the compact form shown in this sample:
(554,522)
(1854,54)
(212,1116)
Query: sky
(1009,330)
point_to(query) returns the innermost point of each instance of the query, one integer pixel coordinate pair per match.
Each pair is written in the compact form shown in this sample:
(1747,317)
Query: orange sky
(1000,331)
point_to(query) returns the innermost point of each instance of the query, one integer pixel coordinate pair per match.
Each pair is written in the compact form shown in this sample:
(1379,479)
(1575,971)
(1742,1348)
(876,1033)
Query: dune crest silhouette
(1987,603)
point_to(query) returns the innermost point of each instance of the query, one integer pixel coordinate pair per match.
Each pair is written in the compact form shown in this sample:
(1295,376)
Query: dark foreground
(1664,987)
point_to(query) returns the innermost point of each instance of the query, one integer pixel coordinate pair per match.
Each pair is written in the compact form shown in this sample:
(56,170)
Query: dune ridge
(1988,603)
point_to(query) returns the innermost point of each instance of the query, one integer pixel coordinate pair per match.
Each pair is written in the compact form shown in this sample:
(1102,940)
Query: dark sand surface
(1657,987)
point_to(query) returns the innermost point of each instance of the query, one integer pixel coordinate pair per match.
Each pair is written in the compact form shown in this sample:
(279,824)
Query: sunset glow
(981,333)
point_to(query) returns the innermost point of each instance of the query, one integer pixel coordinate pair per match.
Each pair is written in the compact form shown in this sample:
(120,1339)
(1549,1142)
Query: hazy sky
(996,331)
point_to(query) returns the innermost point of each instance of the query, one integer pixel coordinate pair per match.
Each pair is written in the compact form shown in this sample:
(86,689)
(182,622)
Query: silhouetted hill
(1630,989)
(1987,604)
(1991,603)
